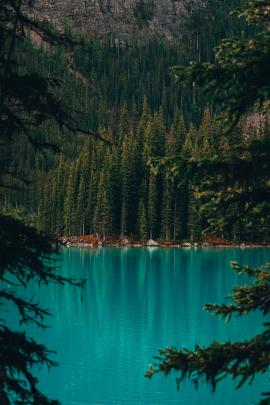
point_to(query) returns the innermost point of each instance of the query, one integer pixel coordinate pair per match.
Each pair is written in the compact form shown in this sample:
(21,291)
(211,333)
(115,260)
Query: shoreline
(90,241)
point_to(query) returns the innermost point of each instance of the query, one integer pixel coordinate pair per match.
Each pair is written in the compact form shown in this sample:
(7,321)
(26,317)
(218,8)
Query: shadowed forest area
(128,95)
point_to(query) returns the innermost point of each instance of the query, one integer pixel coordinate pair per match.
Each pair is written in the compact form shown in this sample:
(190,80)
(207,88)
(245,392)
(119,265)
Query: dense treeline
(126,94)
(120,189)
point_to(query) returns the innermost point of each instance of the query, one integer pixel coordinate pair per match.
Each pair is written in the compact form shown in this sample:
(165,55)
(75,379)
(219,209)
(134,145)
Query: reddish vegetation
(110,240)
(216,241)
(208,241)
(90,239)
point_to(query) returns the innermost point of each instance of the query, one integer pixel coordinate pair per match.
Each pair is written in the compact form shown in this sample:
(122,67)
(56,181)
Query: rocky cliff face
(120,19)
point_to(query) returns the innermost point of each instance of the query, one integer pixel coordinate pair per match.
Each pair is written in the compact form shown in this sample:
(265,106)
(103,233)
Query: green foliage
(102,222)
(25,255)
(241,360)
(255,11)
(152,206)
(238,78)
(231,160)
(30,101)
(144,164)
(142,221)
(155,179)
(229,188)
(130,99)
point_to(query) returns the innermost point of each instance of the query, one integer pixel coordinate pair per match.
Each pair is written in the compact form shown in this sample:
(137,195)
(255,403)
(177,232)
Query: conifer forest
(134,166)
(127,94)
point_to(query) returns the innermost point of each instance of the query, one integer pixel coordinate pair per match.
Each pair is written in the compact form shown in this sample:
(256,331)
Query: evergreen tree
(81,206)
(126,173)
(237,80)
(93,190)
(44,216)
(190,147)
(175,197)
(178,131)
(102,217)
(142,221)
(83,190)
(152,206)
(124,123)
(194,220)
(69,202)
(114,170)
(168,209)
(205,136)
(156,135)
(59,195)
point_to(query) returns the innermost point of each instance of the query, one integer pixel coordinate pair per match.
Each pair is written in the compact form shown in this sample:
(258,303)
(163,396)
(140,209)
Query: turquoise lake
(136,301)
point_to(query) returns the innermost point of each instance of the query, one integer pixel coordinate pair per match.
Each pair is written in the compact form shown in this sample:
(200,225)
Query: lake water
(136,301)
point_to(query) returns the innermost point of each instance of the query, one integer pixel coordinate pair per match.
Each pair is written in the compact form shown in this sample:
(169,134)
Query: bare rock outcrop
(118,19)
(152,243)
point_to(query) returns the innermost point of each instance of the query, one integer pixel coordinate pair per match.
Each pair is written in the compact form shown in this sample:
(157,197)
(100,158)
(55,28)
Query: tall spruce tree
(152,206)
(126,173)
(142,227)
(102,222)
(58,197)
(69,202)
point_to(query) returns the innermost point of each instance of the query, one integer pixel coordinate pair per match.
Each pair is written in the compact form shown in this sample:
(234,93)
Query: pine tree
(152,206)
(92,193)
(114,170)
(59,196)
(44,217)
(124,123)
(144,118)
(205,137)
(178,131)
(175,195)
(126,173)
(194,220)
(83,190)
(190,147)
(156,135)
(102,222)
(168,209)
(69,202)
(180,211)
(80,206)
(142,221)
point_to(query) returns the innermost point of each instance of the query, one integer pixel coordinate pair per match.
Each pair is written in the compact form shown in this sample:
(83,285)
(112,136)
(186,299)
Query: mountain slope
(119,19)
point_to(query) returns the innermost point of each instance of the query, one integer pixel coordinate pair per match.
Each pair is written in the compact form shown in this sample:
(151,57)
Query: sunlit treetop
(255,11)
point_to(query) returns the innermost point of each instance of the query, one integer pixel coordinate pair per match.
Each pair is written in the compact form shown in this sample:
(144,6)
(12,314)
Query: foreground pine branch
(28,100)
(25,256)
(241,361)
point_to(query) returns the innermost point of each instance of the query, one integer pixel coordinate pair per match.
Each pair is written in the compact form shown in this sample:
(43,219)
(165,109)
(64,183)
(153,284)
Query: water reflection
(136,301)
